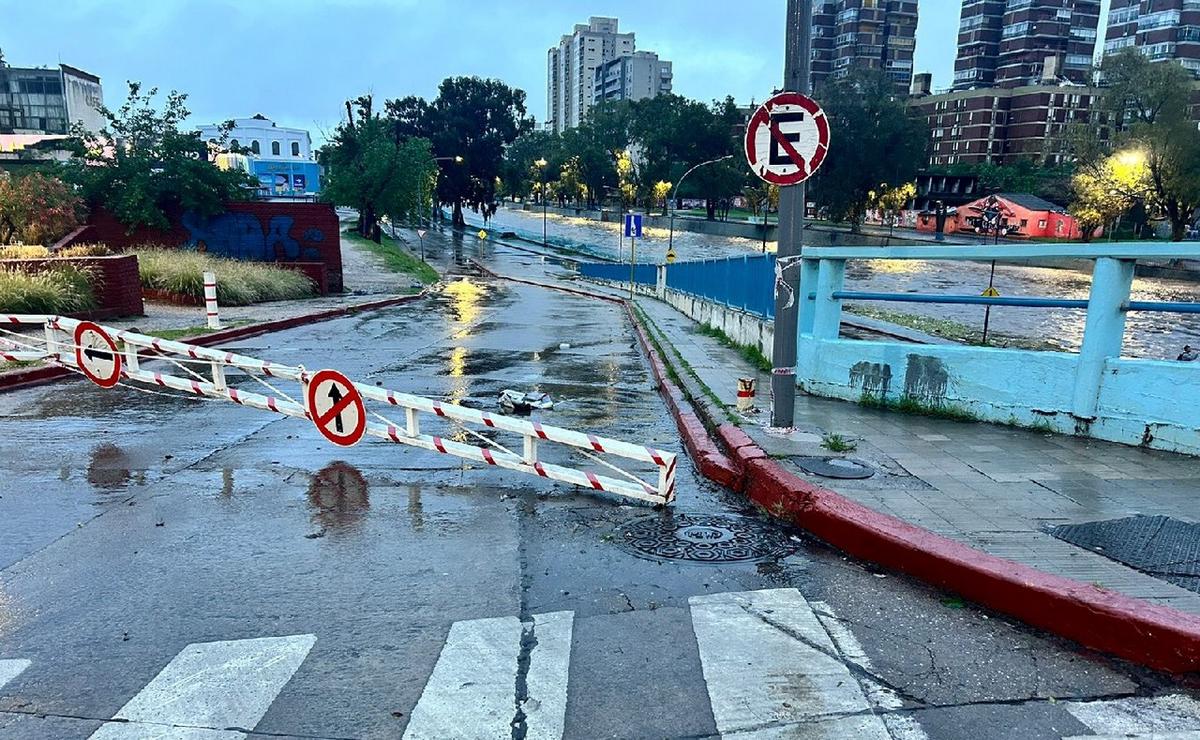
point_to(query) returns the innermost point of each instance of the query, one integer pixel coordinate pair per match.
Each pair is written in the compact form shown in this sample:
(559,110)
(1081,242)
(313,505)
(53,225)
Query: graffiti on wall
(875,378)
(245,236)
(926,379)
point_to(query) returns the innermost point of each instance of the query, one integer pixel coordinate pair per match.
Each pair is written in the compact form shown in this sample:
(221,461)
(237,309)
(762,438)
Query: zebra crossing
(774,665)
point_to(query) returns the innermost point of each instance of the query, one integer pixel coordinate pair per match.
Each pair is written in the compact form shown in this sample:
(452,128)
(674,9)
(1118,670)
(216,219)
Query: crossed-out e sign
(336,407)
(787,139)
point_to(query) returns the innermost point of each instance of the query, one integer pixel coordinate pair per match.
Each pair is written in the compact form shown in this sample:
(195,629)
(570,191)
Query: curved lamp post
(675,193)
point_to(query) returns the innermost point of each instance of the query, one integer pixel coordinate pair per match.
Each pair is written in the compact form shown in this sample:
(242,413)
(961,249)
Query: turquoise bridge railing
(1094,392)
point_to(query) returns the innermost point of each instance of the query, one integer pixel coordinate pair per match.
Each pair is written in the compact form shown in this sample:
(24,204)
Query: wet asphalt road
(134,526)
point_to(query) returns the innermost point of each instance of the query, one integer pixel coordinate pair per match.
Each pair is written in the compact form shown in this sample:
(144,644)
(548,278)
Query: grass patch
(837,443)
(86,250)
(23,252)
(670,367)
(954,331)
(752,355)
(238,283)
(17,365)
(395,257)
(909,405)
(59,290)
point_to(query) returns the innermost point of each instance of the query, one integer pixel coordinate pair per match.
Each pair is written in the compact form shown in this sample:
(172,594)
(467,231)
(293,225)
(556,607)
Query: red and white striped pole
(210,300)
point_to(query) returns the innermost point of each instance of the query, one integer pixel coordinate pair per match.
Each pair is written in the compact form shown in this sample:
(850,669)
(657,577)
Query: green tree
(875,139)
(37,209)
(372,167)
(520,173)
(470,124)
(142,167)
(891,200)
(1147,104)
(1105,189)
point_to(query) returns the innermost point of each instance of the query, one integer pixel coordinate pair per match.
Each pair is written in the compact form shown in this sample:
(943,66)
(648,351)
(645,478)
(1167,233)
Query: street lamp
(541,165)
(675,193)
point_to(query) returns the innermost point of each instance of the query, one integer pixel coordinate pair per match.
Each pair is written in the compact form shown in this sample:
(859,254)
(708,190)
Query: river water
(1147,335)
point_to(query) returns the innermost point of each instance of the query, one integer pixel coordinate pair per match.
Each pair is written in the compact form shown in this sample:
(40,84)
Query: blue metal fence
(616,272)
(745,283)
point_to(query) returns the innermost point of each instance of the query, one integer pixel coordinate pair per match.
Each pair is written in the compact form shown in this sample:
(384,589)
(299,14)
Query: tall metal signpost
(786,141)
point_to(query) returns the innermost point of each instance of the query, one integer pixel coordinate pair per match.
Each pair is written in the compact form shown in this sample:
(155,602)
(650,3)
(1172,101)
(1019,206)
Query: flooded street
(1147,335)
(156,546)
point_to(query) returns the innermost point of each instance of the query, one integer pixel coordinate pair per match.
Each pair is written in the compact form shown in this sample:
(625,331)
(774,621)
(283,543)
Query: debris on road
(514,402)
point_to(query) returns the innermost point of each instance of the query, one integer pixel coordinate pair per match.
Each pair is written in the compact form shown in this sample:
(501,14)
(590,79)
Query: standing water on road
(1148,335)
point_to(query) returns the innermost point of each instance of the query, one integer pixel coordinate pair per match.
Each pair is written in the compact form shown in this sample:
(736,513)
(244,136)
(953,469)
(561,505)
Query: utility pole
(796,78)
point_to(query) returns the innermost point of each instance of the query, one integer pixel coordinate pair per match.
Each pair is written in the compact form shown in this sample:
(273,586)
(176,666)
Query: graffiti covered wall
(301,234)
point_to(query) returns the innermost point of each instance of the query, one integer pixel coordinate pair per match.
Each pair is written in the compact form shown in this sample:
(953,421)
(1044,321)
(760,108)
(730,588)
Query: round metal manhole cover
(835,467)
(705,539)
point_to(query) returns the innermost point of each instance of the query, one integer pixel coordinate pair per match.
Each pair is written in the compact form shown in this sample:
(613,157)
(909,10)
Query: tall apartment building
(864,34)
(1161,29)
(1025,42)
(634,77)
(980,26)
(571,69)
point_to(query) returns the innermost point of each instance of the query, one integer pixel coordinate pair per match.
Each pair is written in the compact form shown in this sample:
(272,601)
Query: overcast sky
(295,61)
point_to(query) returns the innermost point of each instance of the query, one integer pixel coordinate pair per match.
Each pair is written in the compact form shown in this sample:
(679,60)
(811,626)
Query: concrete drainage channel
(699,538)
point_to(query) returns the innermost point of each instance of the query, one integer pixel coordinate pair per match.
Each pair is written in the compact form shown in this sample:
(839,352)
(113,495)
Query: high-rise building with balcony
(980,25)
(583,59)
(864,34)
(1015,43)
(1162,30)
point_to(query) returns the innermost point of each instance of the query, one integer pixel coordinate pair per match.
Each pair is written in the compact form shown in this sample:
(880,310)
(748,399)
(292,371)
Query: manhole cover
(1161,546)
(835,467)
(705,539)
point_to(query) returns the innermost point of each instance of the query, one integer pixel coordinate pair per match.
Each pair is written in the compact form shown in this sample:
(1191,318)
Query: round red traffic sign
(96,355)
(336,407)
(787,139)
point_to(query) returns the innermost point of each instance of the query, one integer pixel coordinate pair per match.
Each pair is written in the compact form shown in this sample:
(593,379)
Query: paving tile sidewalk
(993,487)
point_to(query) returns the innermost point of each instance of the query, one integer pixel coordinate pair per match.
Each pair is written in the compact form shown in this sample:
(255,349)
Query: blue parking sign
(633,224)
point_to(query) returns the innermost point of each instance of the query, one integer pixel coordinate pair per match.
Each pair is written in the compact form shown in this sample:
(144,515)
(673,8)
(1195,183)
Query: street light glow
(541,162)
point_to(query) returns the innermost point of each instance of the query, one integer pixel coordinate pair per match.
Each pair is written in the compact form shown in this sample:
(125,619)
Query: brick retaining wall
(115,281)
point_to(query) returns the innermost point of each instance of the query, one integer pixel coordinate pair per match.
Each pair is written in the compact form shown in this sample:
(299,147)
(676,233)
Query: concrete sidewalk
(995,488)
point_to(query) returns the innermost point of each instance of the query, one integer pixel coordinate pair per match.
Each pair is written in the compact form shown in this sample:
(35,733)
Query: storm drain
(835,467)
(1160,546)
(705,539)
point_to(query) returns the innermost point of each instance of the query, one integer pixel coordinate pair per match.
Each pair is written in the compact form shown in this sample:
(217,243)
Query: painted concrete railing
(1094,393)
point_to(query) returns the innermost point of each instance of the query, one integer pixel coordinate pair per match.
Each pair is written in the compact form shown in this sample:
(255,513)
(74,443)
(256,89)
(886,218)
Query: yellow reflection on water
(465,298)
(897,267)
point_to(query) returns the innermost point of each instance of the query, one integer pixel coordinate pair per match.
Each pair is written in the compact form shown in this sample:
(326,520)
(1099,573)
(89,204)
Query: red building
(1017,216)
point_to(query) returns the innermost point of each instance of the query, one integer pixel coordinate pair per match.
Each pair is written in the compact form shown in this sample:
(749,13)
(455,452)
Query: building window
(275,149)
(295,149)
(255,147)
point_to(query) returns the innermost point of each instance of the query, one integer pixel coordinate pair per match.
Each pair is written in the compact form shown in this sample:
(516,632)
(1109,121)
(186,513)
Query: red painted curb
(18,379)
(1148,634)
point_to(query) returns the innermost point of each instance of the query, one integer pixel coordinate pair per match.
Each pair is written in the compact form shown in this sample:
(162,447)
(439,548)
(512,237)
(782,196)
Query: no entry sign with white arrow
(336,407)
(787,139)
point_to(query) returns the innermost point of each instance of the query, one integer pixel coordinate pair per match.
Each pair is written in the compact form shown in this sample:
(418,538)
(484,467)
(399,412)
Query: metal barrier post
(745,394)
(210,300)
(1103,331)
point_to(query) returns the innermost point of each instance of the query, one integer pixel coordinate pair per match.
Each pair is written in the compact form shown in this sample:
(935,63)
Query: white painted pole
(210,300)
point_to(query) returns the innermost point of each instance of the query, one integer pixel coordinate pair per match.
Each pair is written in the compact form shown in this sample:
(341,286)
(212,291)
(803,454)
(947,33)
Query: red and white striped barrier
(59,345)
(210,300)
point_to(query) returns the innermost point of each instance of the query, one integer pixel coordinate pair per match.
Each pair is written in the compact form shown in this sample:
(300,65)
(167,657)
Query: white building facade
(640,75)
(571,69)
(281,157)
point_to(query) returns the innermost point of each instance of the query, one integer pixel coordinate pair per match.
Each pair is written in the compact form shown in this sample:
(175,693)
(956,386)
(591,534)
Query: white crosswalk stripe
(210,685)
(472,692)
(11,668)
(1167,717)
(769,667)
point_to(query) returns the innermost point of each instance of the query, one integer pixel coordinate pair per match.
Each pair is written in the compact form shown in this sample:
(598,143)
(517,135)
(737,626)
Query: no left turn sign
(787,139)
(336,407)
(96,355)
